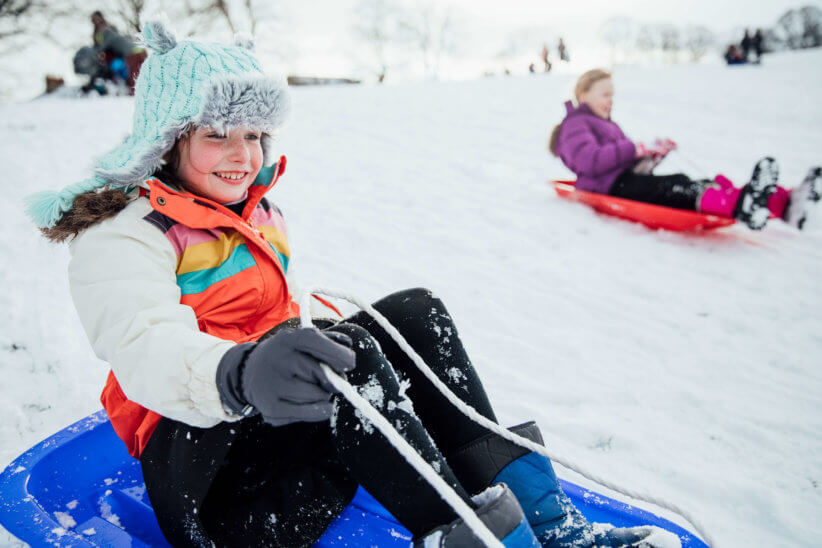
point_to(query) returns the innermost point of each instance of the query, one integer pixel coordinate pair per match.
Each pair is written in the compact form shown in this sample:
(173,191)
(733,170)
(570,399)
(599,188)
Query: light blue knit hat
(182,84)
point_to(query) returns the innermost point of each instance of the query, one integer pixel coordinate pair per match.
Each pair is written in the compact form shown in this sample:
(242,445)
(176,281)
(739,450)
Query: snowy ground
(687,366)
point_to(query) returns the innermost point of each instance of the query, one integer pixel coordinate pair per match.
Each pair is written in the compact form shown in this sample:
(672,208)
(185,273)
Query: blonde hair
(584,83)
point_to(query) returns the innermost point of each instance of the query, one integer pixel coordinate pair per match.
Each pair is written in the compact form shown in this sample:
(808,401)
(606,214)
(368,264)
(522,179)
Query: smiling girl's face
(220,166)
(599,97)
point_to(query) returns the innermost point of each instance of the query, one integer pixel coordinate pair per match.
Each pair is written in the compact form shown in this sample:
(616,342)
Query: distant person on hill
(546,62)
(119,53)
(746,44)
(182,278)
(758,44)
(605,161)
(563,51)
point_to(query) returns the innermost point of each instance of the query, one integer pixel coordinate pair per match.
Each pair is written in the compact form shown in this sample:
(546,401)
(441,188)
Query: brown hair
(584,83)
(171,163)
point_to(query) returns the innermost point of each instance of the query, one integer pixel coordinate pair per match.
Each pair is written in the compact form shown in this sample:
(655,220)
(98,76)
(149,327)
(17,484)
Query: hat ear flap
(158,36)
(244,40)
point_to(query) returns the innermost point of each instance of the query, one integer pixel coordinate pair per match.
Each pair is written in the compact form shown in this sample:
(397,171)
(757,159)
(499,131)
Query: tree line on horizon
(797,28)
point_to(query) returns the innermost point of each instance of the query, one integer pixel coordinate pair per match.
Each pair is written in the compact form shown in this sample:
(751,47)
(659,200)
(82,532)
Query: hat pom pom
(46,208)
(244,40)
(158,36)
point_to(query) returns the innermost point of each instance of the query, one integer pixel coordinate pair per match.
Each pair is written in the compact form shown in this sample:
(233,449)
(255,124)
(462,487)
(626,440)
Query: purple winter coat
(593,148)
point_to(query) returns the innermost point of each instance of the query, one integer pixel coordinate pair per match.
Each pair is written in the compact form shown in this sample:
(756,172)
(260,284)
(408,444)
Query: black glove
(281,376)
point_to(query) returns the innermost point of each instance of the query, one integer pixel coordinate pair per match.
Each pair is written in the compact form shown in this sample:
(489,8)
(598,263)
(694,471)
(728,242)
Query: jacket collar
(198,212)
(582,108)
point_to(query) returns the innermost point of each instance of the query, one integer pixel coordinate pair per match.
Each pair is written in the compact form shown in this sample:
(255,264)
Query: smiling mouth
(231,177)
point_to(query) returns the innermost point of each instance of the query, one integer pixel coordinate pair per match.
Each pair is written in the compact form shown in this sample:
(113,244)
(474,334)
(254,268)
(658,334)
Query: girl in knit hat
(605,161)
(179,275)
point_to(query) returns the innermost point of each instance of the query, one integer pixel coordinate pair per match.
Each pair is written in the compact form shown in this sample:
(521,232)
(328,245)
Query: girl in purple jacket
(605,161)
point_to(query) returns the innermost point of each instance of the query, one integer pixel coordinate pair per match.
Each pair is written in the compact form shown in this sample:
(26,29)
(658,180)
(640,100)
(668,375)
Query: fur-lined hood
(89,208)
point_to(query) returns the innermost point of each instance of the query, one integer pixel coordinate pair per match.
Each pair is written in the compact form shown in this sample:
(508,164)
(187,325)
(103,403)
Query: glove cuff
(229,379)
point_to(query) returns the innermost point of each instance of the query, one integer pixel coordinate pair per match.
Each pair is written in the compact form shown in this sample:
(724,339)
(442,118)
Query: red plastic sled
(653,216)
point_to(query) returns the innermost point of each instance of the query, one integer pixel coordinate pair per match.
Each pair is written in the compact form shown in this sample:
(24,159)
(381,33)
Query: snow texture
(683,365)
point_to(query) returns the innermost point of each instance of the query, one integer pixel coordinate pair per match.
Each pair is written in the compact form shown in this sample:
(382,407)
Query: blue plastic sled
(80,488)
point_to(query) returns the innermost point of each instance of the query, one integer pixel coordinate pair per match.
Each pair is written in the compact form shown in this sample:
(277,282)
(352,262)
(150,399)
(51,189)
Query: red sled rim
(650,215)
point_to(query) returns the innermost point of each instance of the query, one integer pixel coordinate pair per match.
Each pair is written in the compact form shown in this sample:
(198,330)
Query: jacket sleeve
(123,282)
(584,155)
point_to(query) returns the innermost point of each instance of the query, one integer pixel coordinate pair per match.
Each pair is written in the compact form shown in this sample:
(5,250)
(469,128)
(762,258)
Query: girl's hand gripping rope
(281,377)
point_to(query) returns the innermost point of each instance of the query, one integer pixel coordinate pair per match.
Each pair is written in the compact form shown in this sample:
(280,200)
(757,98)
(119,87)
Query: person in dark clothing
(563,51)
(746,44)
(120,56)
(758,44)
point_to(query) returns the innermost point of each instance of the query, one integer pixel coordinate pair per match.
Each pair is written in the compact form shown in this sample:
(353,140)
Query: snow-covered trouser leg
(422,319)
(555,520)
(499,510)
(371,459)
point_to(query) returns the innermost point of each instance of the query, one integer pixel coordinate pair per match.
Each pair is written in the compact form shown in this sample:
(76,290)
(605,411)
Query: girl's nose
(239,151)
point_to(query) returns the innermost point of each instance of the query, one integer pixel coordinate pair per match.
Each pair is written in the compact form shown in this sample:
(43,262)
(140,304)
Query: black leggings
(226,485)
(677,191)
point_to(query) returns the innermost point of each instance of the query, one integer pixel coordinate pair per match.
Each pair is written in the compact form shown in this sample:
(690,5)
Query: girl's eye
(252,136)
(215,136)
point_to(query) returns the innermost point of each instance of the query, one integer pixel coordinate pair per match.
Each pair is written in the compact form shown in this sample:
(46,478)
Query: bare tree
(697,41)
(377,24)
(204,13)
(429,27)
(130,11)
(669,41)
(811,26)
(617,32)
(32,19)
(13,14)
(801,28)
(647,39)
(790,25)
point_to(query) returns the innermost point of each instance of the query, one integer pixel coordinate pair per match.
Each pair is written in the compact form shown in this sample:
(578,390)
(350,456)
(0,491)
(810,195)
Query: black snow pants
(677,191)
(247,483)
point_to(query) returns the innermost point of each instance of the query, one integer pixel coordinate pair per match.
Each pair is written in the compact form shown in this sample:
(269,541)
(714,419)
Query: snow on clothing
(223,483)
(166,287)
(594,148)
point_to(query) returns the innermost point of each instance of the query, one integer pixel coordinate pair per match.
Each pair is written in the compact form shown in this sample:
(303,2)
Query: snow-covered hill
(689,366)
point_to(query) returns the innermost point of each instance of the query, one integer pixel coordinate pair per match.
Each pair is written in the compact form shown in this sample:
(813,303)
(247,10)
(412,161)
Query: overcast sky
(487,26)
(318,37)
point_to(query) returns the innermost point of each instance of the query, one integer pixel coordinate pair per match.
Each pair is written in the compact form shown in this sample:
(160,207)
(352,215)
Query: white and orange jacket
(165,287)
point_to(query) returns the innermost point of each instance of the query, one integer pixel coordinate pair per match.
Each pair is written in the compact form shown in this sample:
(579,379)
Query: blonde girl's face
(600,97)
(220,166)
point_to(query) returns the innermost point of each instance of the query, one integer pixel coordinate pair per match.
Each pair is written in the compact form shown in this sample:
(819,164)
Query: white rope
(470,412)
(403,447)
(426,471)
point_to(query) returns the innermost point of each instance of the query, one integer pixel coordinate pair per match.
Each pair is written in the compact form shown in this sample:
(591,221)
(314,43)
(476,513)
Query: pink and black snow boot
(752,204)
